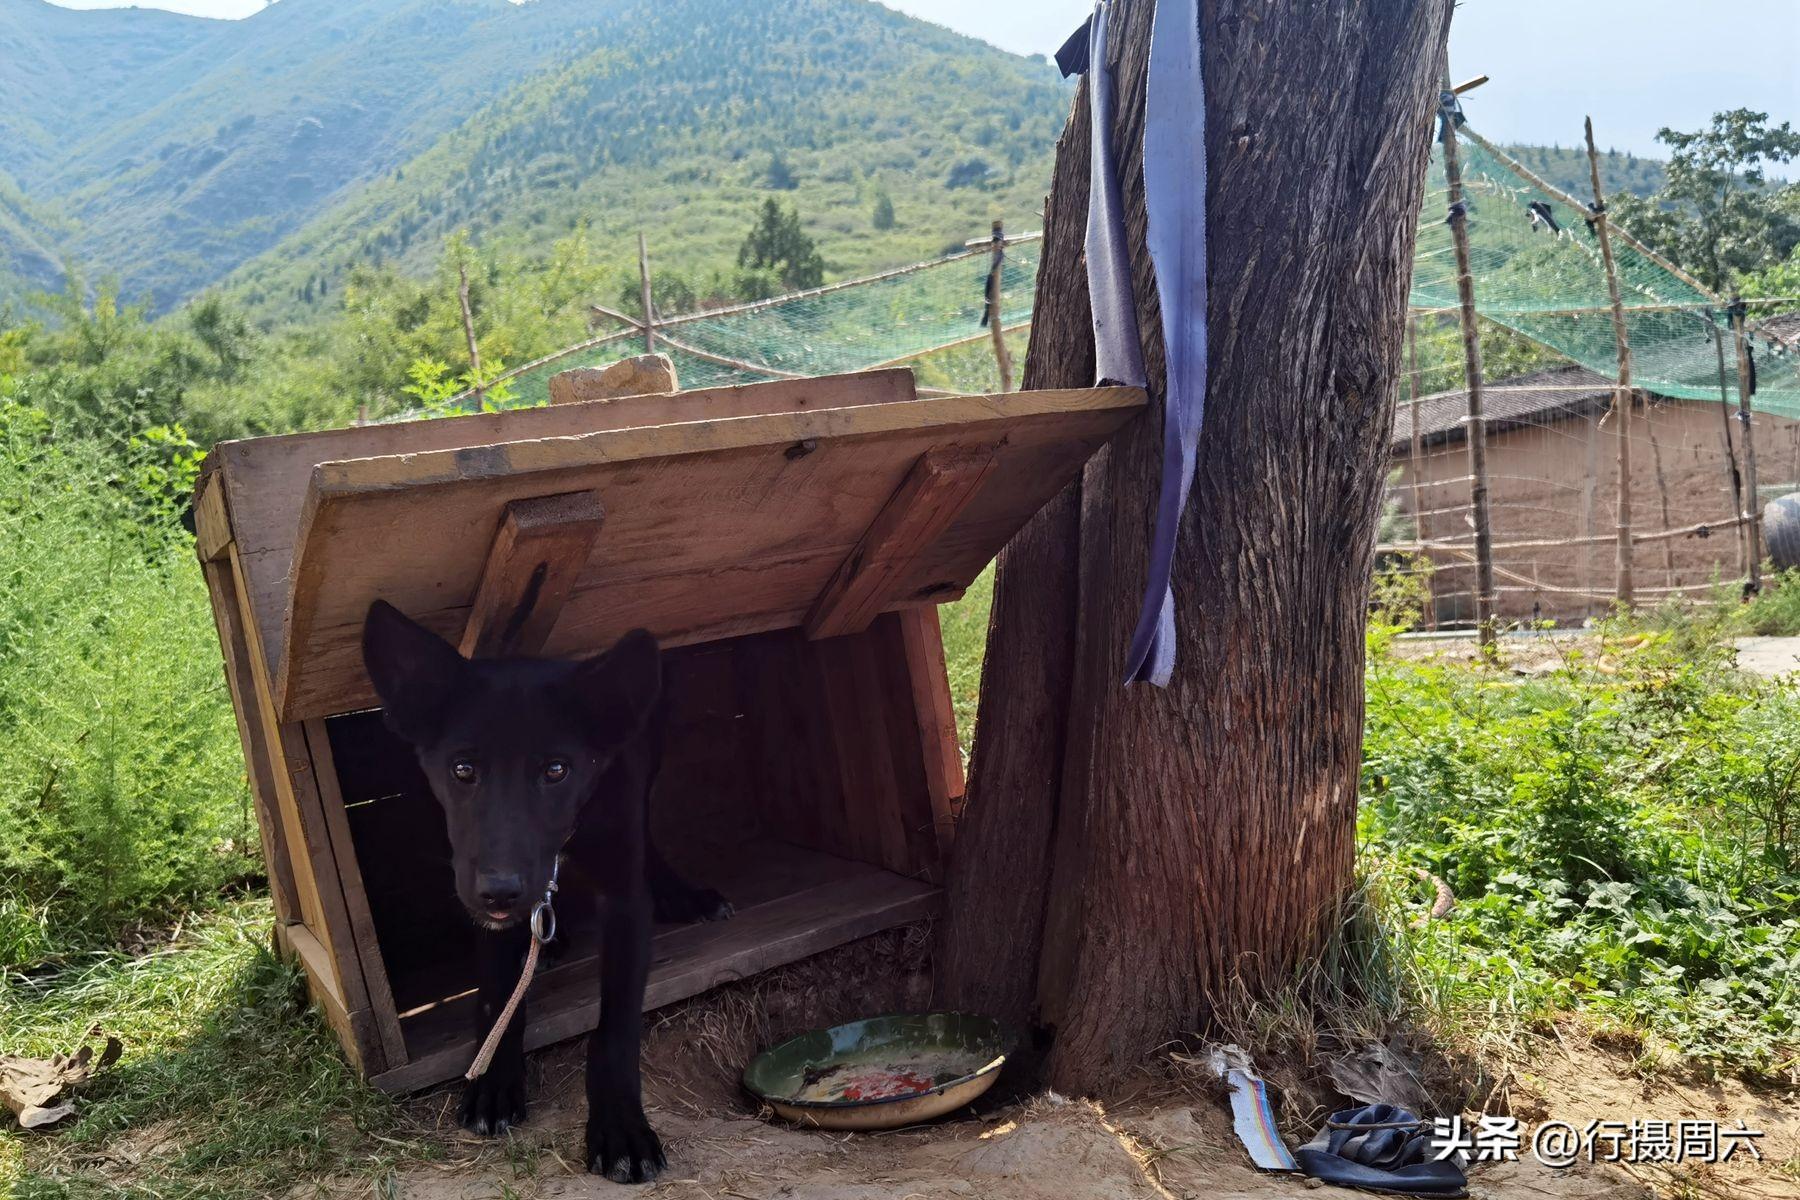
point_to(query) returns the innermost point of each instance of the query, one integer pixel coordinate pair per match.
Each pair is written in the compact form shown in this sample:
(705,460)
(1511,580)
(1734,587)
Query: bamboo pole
(644,284)
(1731,461)
(910,355)
(1697,529)
(1752,505)
(1550,189)
(1002,358)
(1621,405)
(1415,451)
(479,391)
(1415,447)
(739,364)
(1471,339)
(1662,487)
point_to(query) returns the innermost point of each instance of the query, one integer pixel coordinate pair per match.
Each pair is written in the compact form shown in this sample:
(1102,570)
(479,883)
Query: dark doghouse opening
(794,782)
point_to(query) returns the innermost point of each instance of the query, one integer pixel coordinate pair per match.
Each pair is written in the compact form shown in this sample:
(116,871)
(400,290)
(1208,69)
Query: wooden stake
(644,283)
(1002,358)
(1621,405)
(478,392)
(1415,450)
(1416,446)
(1752,514)
(1731,462)
(1662,489)
(1477,431)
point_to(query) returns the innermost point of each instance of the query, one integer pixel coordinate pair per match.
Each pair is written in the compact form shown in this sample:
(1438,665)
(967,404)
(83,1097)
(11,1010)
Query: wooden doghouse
(788,541)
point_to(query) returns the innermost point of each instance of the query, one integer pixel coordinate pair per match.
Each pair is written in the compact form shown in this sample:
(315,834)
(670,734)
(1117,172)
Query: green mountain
(688,115)
(29,236)
(317,135)
(65,74)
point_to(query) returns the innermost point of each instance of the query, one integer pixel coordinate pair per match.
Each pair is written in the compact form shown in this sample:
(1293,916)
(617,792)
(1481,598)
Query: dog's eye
(555,771)
(464,770)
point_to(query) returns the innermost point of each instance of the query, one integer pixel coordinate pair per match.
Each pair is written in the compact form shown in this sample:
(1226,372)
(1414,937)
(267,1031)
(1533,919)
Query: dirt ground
(1171,1140)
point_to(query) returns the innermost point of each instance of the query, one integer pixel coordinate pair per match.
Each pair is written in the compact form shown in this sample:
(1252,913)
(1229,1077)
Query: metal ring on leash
(543,921)
(543,913)
(543,928)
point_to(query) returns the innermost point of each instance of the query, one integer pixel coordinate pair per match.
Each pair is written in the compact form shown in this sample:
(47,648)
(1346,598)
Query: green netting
(1548,286)
(1551,287)
(927,316)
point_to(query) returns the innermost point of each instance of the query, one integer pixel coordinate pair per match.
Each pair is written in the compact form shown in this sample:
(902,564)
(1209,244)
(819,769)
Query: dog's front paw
(494,1102)
(688,905)
(622,1146)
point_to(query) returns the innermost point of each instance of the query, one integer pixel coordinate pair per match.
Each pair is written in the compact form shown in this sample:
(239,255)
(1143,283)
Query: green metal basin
(883,1072)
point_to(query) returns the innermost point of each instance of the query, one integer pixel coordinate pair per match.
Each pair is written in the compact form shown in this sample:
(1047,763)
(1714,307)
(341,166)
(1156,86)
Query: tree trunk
(1129,853)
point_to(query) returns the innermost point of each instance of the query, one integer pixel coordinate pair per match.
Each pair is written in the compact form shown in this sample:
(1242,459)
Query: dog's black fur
(531,758)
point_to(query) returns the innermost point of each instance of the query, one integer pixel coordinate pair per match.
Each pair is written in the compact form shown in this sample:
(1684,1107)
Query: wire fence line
(929,315)
(1553,470)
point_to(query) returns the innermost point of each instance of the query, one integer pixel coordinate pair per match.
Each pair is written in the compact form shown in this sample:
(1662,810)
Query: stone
(644,375)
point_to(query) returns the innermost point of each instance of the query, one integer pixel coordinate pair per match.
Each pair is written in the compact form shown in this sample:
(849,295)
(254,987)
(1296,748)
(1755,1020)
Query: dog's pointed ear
(416,673)
(620,688)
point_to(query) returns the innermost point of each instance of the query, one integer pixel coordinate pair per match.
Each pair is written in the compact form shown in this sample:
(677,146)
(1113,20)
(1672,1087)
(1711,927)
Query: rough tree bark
(1128,854)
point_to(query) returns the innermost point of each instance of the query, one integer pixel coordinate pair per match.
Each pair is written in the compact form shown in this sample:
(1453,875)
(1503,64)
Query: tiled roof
(1785,327)
(1551,394)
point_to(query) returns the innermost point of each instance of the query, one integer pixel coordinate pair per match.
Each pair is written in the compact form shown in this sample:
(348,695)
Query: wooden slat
(349,881)
(316,888)
(266,478)
(212,520)
(354,1029)
(935,711)
(714,528)
(228,618)
(541,547)
(259,705)
(689,959)
(939,486)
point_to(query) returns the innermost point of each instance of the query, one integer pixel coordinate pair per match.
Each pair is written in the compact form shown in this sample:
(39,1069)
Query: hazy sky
(1634,65)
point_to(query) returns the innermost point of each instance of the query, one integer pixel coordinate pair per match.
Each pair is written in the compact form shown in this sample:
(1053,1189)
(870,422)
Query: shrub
(121,780)
(1620,834)
(1775,612)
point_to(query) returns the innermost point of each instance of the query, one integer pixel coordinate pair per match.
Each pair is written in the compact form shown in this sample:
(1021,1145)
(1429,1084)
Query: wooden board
(540,549)
(937,488)
(266,478)
(806,903)
(714,527)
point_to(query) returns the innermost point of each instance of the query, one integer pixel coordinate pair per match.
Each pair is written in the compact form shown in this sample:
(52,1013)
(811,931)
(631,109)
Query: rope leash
(543,929)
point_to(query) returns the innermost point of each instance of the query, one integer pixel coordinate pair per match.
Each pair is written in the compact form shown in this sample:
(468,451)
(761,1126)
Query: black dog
(532,759)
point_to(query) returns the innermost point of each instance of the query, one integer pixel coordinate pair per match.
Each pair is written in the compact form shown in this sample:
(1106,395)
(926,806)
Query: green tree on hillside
(778,255)
(1716,213)
(226,335)
(780,176)
(883,217)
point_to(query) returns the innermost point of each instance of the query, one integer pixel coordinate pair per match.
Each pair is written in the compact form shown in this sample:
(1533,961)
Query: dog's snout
(499,891)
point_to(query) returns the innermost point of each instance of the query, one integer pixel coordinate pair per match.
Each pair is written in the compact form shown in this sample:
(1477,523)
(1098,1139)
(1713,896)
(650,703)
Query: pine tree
(777,254)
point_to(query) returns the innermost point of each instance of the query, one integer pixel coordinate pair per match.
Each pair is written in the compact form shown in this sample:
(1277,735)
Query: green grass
(230,1086)
(1623,836)
(1620,835)
(965,625)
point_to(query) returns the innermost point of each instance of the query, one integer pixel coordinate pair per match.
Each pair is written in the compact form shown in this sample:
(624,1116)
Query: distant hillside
(319,134)
(691,115)
(65,74)
(29,259)
(1567,168)
(208,142)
